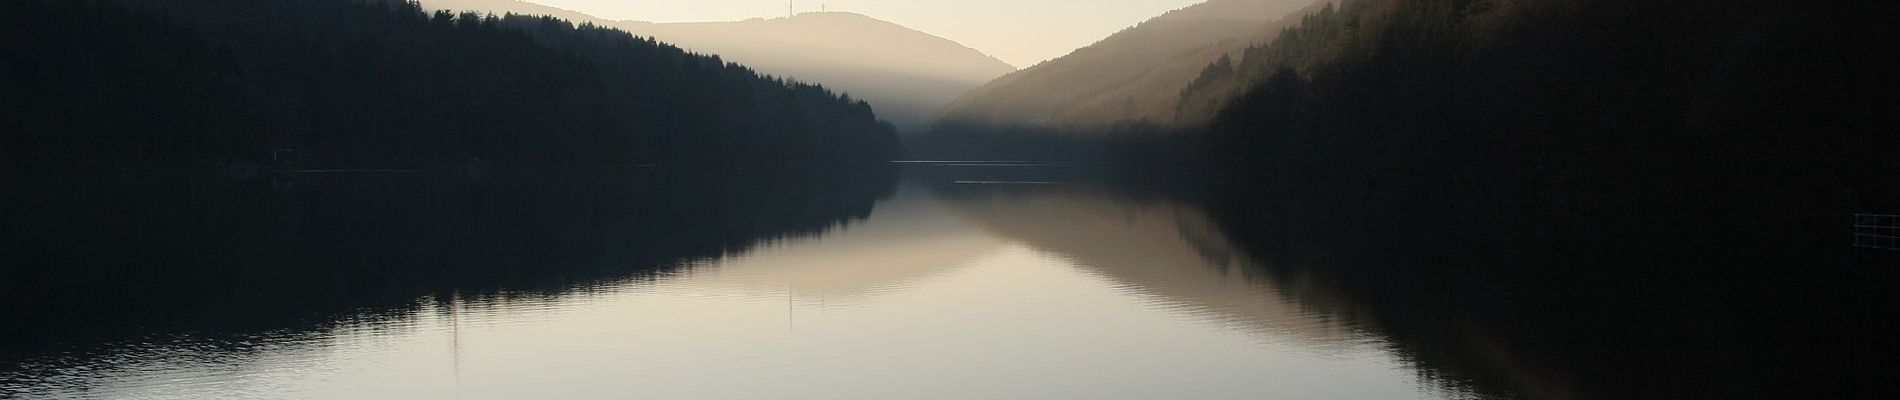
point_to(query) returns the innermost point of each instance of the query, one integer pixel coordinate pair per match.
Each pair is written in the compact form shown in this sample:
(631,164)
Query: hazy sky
(1020,32)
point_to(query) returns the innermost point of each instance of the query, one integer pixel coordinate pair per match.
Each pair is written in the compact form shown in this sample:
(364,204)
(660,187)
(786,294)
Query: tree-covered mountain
(1757,113)
(1135,76)
(908,75)
(186,84)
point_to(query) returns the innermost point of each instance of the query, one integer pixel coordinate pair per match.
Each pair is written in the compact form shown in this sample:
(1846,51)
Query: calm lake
(929,282)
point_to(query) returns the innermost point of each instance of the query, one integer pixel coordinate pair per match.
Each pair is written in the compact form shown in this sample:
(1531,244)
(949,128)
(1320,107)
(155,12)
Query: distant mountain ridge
(1137,75)
(907,75)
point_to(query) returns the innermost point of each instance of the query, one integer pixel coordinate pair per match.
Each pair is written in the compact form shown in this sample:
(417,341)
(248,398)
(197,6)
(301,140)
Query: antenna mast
(788,8)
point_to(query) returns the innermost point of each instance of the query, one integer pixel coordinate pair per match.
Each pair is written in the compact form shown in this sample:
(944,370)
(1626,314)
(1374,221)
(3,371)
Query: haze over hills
(906,75)
(1136,75)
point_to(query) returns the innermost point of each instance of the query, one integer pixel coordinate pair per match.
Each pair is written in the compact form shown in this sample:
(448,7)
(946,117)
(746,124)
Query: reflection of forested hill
(148,85)
(84,265)
(1169,249)
(906,238)
(1507,319)
(1650,314)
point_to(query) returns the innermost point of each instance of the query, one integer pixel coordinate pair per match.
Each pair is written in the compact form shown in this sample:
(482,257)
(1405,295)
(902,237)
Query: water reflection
(910,238)
(680,287)
(1169,252)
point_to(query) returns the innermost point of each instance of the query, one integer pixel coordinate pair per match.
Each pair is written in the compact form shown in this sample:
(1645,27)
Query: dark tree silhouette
(143,85)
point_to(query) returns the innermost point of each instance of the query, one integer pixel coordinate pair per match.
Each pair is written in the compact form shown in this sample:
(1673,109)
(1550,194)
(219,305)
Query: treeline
(189,84)
(1542,112)
(1306,42)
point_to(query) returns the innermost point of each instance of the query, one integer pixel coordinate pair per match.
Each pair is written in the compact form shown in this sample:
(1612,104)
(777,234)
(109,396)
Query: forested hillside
(1572,109)
(1133,77)
(907,74)
(193,84)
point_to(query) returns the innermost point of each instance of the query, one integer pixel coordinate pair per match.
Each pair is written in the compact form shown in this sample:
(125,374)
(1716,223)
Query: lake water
(941,283)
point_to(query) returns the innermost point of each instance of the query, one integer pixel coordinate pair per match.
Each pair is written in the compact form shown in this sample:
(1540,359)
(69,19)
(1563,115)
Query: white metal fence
(1878,231)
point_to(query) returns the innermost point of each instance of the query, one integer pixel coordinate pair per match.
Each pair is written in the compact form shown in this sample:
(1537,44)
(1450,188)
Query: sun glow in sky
(1020,32)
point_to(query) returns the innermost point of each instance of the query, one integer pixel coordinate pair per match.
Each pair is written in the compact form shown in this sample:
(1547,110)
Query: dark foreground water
(939,282)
